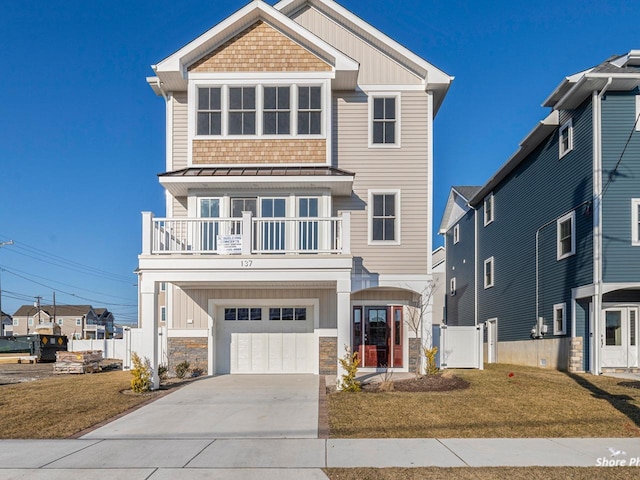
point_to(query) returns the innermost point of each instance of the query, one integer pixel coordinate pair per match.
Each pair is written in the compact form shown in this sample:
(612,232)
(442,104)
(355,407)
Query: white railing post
(147,233)
(247,234)
(346,233)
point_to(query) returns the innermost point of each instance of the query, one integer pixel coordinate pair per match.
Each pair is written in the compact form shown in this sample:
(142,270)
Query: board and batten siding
(621,260)
(540,190)
(460,308)
(192,304)
(404,169)
(179,131)
(375,67)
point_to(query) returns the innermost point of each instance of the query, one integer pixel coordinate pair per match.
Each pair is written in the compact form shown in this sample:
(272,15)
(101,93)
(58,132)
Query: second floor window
(488,273)
(566,138)
(242,111)
(488,210)
(566,236)
(384,217)
(384,120)
(276,114)
(456,234)
(209,111)
(309,110)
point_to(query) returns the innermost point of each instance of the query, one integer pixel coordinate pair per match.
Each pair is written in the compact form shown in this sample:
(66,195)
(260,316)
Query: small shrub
(182,368)
(196,372)
(163,373)
(432,365)
(386,380)
(141,374)
(350,363)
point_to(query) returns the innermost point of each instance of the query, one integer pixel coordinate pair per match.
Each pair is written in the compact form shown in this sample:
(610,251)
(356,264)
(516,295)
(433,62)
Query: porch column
(343,300)
(147,233)
(149,319)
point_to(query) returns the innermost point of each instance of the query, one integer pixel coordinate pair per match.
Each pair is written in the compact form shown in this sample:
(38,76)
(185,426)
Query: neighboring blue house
(547,253)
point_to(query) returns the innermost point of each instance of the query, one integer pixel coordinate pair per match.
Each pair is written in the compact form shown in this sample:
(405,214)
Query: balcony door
(308,229)
(377,336)
(239,205)
(272,233)
(620,337)
(209,229)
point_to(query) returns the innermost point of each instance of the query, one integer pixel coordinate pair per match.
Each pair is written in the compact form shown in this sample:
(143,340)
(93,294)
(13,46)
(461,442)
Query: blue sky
(82,135)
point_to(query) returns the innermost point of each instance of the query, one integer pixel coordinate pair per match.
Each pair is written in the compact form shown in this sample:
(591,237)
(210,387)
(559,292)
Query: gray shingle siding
(539,190)
(460,308)
(621,260)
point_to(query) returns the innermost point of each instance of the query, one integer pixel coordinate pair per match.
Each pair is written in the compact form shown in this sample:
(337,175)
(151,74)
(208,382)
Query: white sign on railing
(229,244)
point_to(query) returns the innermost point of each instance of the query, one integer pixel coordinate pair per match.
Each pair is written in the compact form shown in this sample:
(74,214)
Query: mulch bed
(426,383)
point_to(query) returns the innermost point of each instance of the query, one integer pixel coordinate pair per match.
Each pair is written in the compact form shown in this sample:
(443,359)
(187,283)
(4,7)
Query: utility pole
(2,244)
(54,307)
(37,305)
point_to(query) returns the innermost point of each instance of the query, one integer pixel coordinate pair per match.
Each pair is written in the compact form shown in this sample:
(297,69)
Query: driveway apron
(228,406)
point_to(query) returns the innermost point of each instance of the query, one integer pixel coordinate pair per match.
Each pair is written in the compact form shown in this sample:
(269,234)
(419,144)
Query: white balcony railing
(246,235)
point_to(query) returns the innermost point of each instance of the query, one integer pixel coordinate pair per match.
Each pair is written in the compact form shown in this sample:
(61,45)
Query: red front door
(377,336)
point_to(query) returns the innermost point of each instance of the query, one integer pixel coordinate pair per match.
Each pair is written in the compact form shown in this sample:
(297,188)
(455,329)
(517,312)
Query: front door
(618,337)
(377,336)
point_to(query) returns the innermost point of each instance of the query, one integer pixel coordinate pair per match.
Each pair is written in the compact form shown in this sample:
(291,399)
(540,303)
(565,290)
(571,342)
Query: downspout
(475,265)
(597,219)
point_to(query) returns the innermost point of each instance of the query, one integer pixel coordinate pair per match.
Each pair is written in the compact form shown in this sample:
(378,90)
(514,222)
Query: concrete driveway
(228,406)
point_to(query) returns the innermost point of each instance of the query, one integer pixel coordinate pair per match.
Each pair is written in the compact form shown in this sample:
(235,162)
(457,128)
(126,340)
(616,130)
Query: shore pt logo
(617,458)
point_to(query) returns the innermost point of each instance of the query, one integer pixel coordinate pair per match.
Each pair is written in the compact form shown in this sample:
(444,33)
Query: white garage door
(265,340)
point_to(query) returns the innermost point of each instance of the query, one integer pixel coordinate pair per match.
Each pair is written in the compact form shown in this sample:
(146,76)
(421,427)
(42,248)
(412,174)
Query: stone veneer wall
(328,356)
(576,354)
(414,353)
(192,350)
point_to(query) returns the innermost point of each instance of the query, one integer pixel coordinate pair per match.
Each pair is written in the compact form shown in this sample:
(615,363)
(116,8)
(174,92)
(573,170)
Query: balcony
(246,236)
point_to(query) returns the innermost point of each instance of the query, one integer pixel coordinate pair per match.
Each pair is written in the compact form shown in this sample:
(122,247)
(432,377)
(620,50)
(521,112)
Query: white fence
(121,348)
(460,347)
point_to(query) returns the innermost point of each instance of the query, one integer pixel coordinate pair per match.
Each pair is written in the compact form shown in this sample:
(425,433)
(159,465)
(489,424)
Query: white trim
(568,127)
(371,96)
(169,130)
(428,219)
(327,332)
(492,272)
(635,221)
(560,307)
(488,219)
(637,119)
(191,333)
(569,216)
(398,223)
(262,77)
(492,354)
(456,234)
(391,88)
(452,286)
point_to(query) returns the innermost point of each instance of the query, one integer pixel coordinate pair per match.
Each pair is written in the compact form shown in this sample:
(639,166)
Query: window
(242,314)
(242,110)
(635,221)
(163,314)
(452,286)
(565,140)
(566,235)
(456,234)
(309,110)
(276,113)
(78,322)
(163,286)
(488,273)
(209,111)
(559,319)
(488,210)
(31,322)
(633,313)
(384,208)
(16,322)
(60,321)
(288,313)
(383,113)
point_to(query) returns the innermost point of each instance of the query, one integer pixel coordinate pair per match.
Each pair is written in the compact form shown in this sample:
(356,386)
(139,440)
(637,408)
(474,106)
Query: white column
(147,233)
(246,233)
(346,233)
(149,320)
(343,293)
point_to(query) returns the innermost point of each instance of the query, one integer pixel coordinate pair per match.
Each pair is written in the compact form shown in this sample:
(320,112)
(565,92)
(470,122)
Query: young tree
(415,317)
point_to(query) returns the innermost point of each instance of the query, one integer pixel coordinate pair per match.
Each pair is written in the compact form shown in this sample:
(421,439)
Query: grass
(64,405)
(531,403)
(492,473)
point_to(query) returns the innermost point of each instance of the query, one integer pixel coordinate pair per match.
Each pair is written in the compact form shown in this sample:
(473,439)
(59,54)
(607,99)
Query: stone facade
(192,350)
(260,48)
(259,151)
(414,353)
(576,355)
(328,356)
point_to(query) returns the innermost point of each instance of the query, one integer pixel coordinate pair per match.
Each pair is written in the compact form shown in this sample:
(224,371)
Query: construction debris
(78,362)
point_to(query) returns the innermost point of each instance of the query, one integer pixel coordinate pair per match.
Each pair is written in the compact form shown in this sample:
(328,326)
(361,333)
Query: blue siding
(460,308)
(621,260)
(539,190)
(582,330)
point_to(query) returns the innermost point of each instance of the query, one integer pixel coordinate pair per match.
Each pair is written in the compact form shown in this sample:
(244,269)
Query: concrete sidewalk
(292,458)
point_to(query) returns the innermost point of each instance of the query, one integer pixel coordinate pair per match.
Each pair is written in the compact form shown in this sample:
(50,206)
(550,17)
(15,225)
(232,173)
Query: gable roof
(172,71)
(434,78)
(457,206)
(61,310)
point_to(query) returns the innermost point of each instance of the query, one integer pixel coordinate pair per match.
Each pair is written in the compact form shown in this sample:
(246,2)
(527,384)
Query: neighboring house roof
(61,310)
(340,182)
(457,205)
(438,256)
(621,72)
(3,314)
